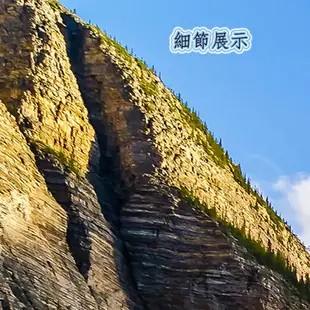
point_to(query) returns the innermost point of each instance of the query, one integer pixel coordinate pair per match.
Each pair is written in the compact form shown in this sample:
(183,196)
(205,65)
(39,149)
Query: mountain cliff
(113,193)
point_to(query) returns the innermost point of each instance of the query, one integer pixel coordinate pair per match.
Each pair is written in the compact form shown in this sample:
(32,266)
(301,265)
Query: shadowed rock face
(91,215)
(70,255)
(36,268)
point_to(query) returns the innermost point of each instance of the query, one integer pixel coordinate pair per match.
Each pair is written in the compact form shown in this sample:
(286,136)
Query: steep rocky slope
(108,183)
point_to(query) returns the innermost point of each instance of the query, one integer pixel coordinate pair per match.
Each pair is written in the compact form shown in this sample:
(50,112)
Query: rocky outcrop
(37,84)
(182,260)
(159,229)
(94,242)
(36,268)
(149,123)
(50,117)
(92,209)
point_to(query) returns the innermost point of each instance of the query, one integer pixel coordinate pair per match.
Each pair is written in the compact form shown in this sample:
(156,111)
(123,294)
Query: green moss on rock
(68,163)
(54,5)
(263,256)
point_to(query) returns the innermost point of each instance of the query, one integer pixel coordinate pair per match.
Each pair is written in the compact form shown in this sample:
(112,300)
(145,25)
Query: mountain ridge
(145,222)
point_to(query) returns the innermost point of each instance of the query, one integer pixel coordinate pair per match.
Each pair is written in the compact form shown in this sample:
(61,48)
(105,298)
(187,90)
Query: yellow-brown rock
(109,185)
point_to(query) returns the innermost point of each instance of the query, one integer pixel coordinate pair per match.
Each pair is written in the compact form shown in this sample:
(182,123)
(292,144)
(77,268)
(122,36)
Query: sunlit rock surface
(94,154)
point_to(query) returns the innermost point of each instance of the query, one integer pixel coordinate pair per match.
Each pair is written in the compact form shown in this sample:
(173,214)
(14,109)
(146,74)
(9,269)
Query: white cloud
(295,195)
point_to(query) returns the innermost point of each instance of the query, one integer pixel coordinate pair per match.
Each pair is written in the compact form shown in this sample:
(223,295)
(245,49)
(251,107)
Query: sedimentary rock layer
(94,154)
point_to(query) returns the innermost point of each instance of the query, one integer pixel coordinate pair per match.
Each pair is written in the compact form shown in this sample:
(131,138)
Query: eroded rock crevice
(54,101)
(178,256)
(163,235)
(103,228)
(63,188)
(105,170)
(36,270)
(94,243)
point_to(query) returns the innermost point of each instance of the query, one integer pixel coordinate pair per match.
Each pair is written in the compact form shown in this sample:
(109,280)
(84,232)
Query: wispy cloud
(295,194)
(289,195)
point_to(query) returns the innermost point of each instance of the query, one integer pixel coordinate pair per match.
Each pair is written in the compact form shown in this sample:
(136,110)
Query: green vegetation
(54,4)
(200,132)
(118,48)
(215,150)
(263,256)
(142,65)
(150,88)
(68,163)
(107,40)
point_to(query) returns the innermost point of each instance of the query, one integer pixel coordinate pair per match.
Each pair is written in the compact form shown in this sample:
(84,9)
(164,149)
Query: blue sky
(257,102)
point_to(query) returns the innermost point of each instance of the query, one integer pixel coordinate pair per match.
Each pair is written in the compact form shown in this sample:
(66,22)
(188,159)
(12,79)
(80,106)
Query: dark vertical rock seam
(58,183)
(104,166)
(179,258)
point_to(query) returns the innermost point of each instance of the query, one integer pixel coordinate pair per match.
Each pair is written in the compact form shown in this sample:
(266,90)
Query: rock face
(95,154)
